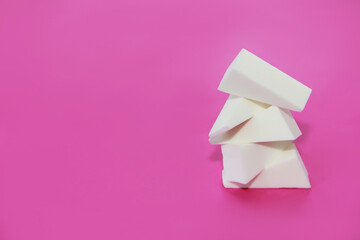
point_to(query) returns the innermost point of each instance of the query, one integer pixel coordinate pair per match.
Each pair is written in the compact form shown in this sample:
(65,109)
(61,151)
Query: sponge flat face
(244,161)
(271,124)
(285,170)
(251,77)
(235,111)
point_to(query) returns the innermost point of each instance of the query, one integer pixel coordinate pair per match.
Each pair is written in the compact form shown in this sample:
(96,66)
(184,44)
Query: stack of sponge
(255,127)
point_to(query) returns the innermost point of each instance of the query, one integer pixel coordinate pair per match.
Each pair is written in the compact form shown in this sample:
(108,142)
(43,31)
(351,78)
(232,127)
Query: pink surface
(105,108)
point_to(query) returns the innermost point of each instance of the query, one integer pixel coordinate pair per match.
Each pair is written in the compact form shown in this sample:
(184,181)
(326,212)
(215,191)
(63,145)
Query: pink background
(105,108)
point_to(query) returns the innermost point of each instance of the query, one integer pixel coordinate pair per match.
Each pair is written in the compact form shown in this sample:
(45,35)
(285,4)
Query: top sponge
(251,77)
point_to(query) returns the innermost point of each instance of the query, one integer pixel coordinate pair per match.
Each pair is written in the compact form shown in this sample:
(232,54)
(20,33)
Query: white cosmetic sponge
(235,111)
(285,170)
(251,77)
(271,124)
(244,161)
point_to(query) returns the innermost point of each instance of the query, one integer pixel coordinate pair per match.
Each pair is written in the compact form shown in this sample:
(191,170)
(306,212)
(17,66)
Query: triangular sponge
(243,162)
(251,77)
(235,111)
(286,170)
(272,124)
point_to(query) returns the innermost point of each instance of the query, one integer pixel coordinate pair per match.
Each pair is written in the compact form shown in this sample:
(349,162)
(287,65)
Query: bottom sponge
(285,170)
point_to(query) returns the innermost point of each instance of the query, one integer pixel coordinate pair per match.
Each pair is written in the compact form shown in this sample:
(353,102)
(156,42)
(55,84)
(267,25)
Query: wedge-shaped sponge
(244,161)
(235,111)
(285,170)
(251,77)
(271,124)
